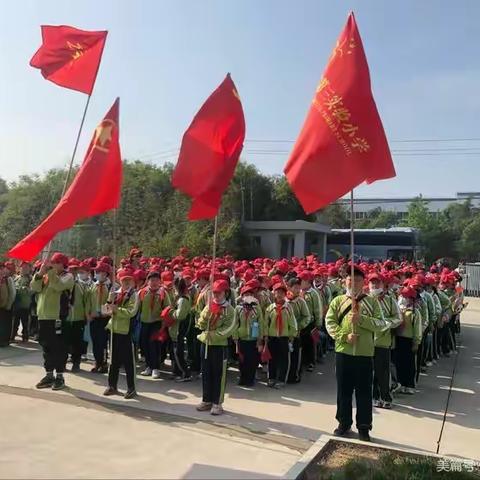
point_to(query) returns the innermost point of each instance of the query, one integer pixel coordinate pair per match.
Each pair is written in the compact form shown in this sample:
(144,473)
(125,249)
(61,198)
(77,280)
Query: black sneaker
(310,368)
(363,435)
(341,430)
(75,368)
(103,368)
(59,383)
(111,391)
(130,394)
(46,382)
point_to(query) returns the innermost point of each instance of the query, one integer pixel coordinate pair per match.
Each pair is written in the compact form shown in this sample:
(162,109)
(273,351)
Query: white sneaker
(156,373)
(409,390)
(429,364)
(216,410)
(147,372)
(378,403)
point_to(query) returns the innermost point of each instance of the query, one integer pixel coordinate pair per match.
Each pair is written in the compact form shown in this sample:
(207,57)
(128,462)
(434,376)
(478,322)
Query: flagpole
(352,263)
(212,274)
(70,166)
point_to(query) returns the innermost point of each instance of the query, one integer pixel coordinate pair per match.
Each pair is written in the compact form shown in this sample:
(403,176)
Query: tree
(469,245)
(378,218)
(335,215)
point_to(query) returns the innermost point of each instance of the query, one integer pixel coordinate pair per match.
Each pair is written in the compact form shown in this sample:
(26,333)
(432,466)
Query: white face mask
(249,299)
(348,292)
(83,276)
(101,276)
(376,292)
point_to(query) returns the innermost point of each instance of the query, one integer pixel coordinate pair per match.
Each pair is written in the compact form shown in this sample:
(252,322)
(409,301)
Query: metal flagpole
(352,262)
(114,275)
(212,274)
(70,167)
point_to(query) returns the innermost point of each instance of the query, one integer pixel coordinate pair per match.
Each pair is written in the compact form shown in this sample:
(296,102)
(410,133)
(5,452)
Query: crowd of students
(386,321)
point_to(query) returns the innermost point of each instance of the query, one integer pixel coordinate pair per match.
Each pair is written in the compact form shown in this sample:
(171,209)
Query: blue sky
(163,58)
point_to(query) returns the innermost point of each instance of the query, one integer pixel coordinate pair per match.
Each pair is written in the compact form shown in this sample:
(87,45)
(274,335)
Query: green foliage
(335,215)
(151,215)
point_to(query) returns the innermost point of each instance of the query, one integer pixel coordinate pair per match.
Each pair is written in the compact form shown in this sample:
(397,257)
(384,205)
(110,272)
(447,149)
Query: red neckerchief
(216,311)
(279,317)
(121,297)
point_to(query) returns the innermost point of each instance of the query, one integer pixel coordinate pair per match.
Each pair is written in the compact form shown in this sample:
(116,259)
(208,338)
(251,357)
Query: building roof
(376,230)
(296,225)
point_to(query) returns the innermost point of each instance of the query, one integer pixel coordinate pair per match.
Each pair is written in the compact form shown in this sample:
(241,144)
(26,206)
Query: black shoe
(75,368)
(130,394)
(363,435)
(341,431)
(103,369)
(46,382)
(111,391)
(58,384)
(310,368)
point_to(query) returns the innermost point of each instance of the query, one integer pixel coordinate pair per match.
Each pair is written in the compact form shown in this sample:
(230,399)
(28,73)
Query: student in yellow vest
(123,308)
(248,334)
(352,325)
(53,284)
(80,302)
(409,336)
(312,297)
(7,298)
(280,331)
(151,303)
(97,318)
(302,316)
(383,341)
(199,302)
(217,322)
(179,313)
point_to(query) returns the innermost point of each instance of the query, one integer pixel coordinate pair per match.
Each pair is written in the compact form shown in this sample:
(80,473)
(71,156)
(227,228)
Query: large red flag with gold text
(342,143)
(210,150)
(70,57)
(95,189)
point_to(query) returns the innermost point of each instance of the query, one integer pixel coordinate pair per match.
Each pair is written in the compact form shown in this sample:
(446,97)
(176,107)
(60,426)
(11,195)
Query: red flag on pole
(95,189)
(342,142)
(70,57)
(210,150)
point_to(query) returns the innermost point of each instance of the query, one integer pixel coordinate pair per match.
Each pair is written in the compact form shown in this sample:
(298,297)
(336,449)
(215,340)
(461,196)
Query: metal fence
(471,279)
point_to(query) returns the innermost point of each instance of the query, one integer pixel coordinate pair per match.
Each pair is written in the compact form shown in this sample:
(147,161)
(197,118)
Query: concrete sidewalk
(263,431)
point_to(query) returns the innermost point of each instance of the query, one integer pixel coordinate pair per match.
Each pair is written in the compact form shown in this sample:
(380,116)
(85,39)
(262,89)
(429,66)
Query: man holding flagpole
(341,145)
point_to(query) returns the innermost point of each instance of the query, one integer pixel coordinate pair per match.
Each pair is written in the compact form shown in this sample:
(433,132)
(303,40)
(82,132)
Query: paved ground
(264,432)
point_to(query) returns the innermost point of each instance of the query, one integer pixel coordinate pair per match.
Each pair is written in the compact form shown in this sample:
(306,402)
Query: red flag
(70,57)
(94,190)
(210,150)
(342,142)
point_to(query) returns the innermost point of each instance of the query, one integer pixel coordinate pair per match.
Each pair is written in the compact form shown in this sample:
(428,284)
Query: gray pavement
(264,431)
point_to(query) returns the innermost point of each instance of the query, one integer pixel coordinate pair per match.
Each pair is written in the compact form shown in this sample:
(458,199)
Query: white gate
(471,279)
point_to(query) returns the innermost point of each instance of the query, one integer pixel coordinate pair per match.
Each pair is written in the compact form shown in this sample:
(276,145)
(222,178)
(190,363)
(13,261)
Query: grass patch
(341,461)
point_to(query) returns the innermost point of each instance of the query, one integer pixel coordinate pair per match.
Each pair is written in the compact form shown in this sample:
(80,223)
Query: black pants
(354,374)
(33,330)
(21,315)
(405,362)
(6,320)
(99,340)
(381,374)
(151,349)
(214,373)
(177,352)
(53,344)
(295,372)
(279,365)
(248,362)
(194,346)
(122,356)
(308,346)
(435,343)
(73,334)
(453,327)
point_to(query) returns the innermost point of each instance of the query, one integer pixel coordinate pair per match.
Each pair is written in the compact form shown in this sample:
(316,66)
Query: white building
(363,206)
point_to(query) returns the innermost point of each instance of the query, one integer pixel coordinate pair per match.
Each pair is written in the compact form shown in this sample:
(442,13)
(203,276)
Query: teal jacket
(371,322)
(411,326)
(314,303)
(49,289)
